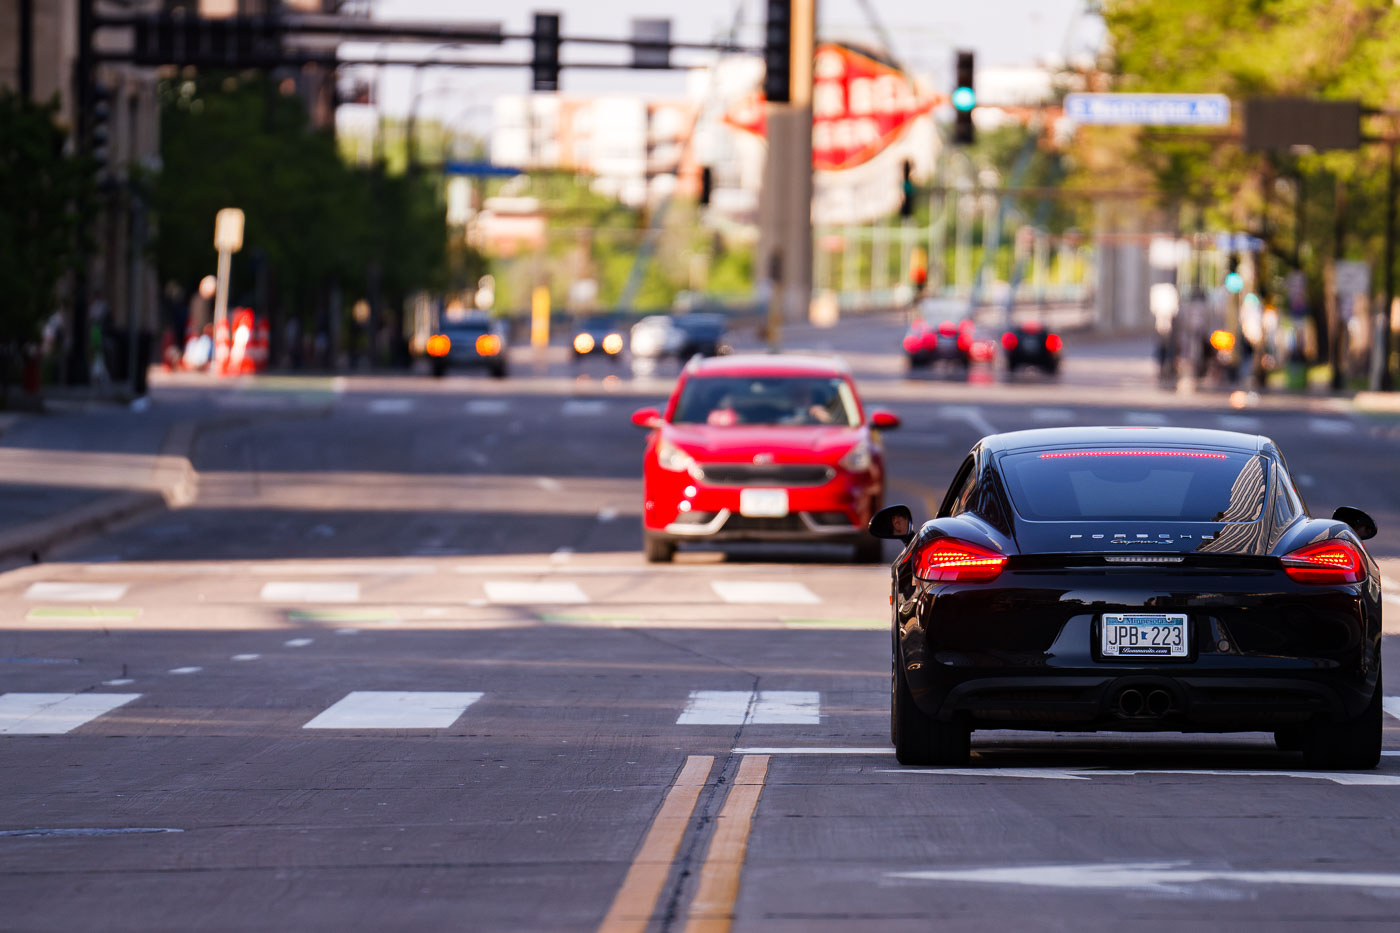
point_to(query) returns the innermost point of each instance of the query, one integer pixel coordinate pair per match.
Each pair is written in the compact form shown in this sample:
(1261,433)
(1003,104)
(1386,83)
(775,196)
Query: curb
(1388,402)
(176,485)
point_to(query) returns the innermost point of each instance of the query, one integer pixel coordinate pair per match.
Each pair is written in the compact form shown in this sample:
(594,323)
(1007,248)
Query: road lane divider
(635,901)
(712,908)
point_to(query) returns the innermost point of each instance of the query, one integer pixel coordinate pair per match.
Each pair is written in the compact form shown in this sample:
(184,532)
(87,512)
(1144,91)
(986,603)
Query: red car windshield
(725,401)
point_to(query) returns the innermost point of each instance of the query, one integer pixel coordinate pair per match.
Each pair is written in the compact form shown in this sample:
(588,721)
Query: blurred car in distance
(475,341)
(941,332)
(702,334)
(758,447)
(654,338)
(1030,343)
(598,335)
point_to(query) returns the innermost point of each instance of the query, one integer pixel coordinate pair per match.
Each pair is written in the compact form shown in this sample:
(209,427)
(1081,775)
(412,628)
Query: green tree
(46,196)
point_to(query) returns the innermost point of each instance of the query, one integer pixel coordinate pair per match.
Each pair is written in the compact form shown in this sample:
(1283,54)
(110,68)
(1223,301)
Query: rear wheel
(1347,746)
(921,740)
(439,369)
(498,371)
(659,549)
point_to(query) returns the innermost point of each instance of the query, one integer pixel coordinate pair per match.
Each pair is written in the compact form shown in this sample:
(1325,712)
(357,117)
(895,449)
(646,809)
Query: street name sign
(1149,109)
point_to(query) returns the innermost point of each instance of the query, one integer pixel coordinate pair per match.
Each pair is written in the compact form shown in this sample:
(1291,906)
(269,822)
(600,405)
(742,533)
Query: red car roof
(768,364)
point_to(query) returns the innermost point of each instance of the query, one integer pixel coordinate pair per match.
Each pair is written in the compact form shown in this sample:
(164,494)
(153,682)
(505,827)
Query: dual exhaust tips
(1135,704)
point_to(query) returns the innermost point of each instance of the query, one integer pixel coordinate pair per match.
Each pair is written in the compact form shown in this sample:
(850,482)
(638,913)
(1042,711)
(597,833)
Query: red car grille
(770,474)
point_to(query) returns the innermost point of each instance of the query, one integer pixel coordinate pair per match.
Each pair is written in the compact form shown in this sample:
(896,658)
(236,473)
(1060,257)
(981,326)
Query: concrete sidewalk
(82,467)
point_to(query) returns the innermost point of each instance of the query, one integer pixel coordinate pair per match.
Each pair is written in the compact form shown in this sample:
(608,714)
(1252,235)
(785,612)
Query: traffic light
(226,42)
(918,267)
(906,191)
(707,184)
(777,53)
(964,99)
(100,131)
(544,63)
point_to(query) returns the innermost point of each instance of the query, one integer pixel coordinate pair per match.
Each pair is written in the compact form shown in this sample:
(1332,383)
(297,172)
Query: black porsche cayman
(1133,579)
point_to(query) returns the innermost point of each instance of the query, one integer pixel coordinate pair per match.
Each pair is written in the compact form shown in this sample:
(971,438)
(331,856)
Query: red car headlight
(1325,562)
(949,560)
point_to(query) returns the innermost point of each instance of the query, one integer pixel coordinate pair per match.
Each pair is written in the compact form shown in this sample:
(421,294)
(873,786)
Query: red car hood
(821,443)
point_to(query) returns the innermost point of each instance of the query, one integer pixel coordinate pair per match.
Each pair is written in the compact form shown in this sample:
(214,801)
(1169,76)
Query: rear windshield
(466,329)
(1129,485)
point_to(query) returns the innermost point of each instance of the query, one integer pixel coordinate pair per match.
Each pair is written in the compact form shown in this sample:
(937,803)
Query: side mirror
(1361,523)
(893,521)
(884,420)
(647,418)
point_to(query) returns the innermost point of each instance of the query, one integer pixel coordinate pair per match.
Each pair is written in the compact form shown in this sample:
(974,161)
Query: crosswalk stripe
(1392,706)
(758,591)
(76,592)
(1145,418)
(1239,422)
(1329,426)
(291,591)
(745,707)
(388,709)
(391,406)
(521,593)
(487,406)
(584,406)
(55,713)
(1051,415)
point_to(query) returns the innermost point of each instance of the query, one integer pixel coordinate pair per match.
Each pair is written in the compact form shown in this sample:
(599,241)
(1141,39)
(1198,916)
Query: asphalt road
(401,666)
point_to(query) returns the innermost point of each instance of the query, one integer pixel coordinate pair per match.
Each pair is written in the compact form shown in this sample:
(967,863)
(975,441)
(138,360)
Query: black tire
(1347,746)
(659,549)
(1289,740)
(870,550)
(920,740)
(498,371)
(439,369)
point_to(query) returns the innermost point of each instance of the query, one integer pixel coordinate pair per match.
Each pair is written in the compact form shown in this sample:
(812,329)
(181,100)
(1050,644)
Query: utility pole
(785,203)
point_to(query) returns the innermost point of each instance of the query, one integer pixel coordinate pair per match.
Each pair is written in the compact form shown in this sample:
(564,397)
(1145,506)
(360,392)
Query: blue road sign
(478,168)
(1149,109)
(1238,243)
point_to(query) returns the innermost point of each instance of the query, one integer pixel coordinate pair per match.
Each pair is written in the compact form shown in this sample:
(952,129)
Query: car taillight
(1325,562)
(948,560)
(1008,341)
(1053,343)
(947,328)
(964,341)
(911,343)
(439,345)
(488,345)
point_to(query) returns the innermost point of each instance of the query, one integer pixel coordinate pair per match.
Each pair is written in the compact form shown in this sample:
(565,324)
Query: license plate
(763,503)
(1031,343)
(1144,635)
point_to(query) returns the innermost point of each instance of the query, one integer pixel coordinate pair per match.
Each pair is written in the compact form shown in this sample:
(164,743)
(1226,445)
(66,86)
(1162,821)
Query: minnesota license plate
(1144,635)
(763,503)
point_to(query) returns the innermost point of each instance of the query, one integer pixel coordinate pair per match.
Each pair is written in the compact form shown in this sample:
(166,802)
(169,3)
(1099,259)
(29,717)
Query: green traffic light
(964,98)
(1234,283)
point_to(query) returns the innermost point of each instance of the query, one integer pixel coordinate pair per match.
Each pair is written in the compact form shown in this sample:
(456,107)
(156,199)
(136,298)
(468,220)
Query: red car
(763,448)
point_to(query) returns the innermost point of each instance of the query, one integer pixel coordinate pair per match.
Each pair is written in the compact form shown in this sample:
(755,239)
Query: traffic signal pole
(785,203)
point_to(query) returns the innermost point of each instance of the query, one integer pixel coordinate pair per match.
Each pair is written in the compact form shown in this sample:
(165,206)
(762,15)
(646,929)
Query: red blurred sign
(859,107)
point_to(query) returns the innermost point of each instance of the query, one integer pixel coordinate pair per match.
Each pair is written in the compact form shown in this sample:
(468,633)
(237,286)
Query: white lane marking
(185,670)
(1392,706)
(970,414)
(54,713)
(562,555)
(1145,418)
(1162,876)
(1247,423)
(812,750)
(246,657)
(751,591)
(118,682)
(77,592)
(521,593)
(487,406)
(1388,753)
(1051,415)
(391,406)
(297,642)
(744,707)
(1332,426)
(388,709)
(548,484)
(607,514)
(584,406)
(1345,778)
(347,631)
(290,591)
(363,568)
(478,458)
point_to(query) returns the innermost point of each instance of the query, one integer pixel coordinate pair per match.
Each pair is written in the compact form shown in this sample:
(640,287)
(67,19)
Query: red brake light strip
(1202,455)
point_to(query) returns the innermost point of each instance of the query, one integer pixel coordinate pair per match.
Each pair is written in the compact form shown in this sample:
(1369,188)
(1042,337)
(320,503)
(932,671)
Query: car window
(467,331)
(725,401)
(963,484)
(1129,485)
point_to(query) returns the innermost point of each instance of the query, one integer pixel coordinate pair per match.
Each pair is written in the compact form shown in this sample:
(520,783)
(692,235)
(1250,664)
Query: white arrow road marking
(743,707)
(386,709)
(1162,876)
(1346,778)
(970,414)
(1392,706)
(751,591)
(76,592)
(54,713)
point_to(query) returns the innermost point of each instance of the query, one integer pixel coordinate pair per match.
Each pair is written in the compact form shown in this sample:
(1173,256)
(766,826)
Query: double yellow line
(712,908)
